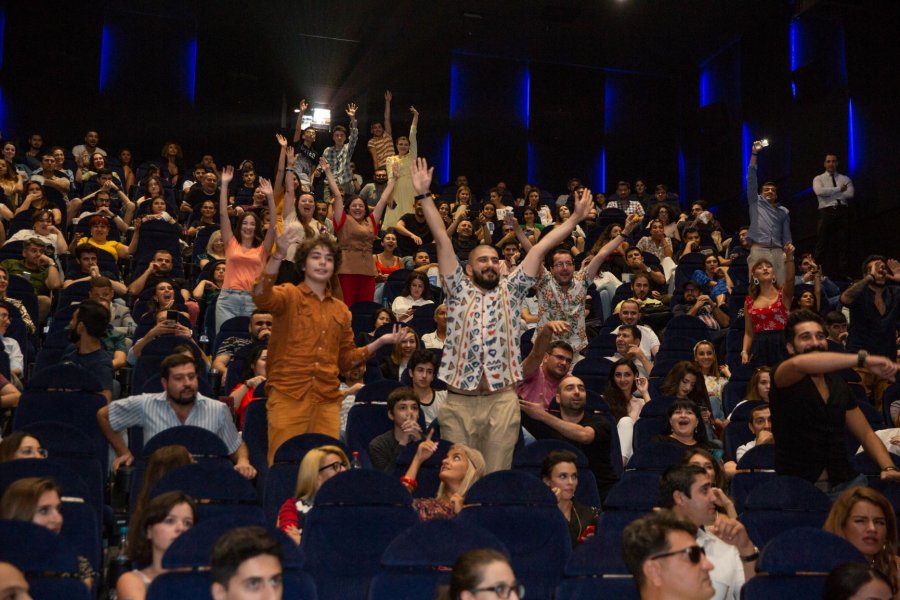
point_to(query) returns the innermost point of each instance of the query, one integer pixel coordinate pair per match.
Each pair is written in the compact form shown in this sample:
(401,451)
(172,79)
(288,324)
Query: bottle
(119,563)
(355,464)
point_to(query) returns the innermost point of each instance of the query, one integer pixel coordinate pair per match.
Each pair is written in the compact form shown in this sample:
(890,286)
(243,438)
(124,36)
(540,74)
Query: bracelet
(410,483)
(890,468)
(861,357)
(421,196)
(751,557)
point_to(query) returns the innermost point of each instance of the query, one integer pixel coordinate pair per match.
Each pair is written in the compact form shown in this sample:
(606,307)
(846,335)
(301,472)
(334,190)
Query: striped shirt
(483,330)
(383,148)
(153,413)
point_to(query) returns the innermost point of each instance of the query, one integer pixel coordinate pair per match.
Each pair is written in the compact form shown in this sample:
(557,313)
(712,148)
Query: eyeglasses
(29,452)
(694,553)
(503,590)
(337,466)
(560,265)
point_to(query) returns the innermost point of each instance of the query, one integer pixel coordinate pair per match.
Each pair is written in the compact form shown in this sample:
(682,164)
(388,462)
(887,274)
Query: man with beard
(413,231)
(812,405)
(874,315)
(179,404)
(260,330)
(88,328)
(480,362)
(589,433)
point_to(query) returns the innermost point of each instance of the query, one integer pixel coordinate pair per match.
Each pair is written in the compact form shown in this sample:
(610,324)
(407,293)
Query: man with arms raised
(480,362)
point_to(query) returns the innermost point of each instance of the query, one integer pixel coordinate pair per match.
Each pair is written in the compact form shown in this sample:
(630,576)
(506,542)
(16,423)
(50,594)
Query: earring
(773,281)
(755,281)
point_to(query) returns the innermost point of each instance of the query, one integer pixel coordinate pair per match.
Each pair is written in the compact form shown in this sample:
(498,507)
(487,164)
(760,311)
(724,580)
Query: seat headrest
(363,487)
(510,488)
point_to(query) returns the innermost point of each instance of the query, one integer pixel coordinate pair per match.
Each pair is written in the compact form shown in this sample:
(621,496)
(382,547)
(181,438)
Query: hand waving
(351,111)
(421,175)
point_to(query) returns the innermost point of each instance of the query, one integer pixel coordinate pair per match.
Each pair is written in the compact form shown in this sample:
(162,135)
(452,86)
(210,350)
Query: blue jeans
(233,303)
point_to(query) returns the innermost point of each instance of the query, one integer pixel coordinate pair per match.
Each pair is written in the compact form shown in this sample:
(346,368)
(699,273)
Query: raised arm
(378,210)
(818,363)
(421,175)
(606,251)
(298,132)
(287,205)
(335,190)
(787,290)
(413,143)
(387,113)
(266,187)
(752,185)
(531,264)
(224,222)
(279,171)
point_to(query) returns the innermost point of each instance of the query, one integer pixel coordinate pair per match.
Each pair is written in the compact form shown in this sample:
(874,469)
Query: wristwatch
(861,357)
(751,557)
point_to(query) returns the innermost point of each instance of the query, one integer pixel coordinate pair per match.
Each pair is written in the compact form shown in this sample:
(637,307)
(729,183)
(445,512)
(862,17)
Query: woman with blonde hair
(866,519)
(460,469)
(318,466)
(215,249)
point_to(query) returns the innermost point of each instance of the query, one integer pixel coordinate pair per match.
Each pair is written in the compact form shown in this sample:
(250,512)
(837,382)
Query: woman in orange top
(245,252)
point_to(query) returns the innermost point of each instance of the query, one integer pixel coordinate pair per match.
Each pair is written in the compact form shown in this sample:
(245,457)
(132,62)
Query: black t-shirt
(810,433)
(597,452)
(869,329)
(462,247)
(98,362)
(196,196)
(406,245)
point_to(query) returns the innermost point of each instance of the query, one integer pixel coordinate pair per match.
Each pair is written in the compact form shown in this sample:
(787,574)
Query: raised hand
(395,169)
(388,96)
(789,251)
(303,105)
(289,236)
(631,224)
(413,110)
(282,141)
(421,175)
(265,186)
(757,146)
(583,204)
(351,111)
(323,164)
(227,174)
(893,266)
(291,156)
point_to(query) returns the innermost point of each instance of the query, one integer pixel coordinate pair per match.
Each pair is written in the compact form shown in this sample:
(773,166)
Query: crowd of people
(502,318)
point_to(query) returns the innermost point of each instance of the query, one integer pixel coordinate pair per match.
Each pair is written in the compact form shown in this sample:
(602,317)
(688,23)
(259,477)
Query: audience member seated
(714,280)
(634,261)
(630,314)
(98,239)
(40,270)
(208,217)
(588,432)
(422,263)
(318,466)
(382,316)
(154,529)
(403,411)
(246,558)
(85,268)
(13,302)
(162,461)
(254,374)
(560,473)
(866,519)
(546,365)
(422,367)
(179,404)
(684,426)
(758,387)
(626,394)
(37,500)
(352,381)
(697,304)
(628,347)
(435,339)
(88,326)
(713,467)
(13,585)
(482,571)
(760,425)
(416,292)
(394,365)
(120,319)
(36,199)
(260,330)
(20,444)
(714,376)
(102,199)
(460,469)
(215,249)
(837,327)
(655,313)
(43,229)
(852,580)
(685,382)
(11,346)
(166,324)
(160,269)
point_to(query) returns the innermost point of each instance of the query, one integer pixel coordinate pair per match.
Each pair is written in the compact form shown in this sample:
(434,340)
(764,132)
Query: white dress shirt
(829,192)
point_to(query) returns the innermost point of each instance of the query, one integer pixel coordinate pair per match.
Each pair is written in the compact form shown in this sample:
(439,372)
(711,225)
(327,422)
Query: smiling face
(357,209)
(763,271)
(483,267)
(402,146)
(48,513)
(9,151)
(164,294)
(623,377)
(306,207)
(408,344)
(704,355)
(866,528)
(248,226)
(809,336)
(564,477)
(390,242)
(683,423)
(319,265)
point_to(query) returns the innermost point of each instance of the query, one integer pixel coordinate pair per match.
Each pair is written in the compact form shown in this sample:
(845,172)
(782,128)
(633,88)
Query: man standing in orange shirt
(311,342)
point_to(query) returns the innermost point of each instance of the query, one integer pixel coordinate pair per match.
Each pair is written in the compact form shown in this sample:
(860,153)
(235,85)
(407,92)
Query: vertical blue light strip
(190,68)
(454,89)
(746,140)
(446,158)
(705,76)
(106,50)
(793,43)
(527,98)
(851,141)
(601,169)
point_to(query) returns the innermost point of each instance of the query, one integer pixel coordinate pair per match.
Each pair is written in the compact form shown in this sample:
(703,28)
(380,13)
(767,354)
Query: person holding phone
(416,292)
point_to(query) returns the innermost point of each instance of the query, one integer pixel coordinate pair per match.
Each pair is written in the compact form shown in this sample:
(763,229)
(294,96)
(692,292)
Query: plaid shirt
(340,159)
(631,207)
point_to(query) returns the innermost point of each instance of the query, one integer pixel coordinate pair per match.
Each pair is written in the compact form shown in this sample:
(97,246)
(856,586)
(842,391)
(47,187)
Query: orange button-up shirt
(311,341)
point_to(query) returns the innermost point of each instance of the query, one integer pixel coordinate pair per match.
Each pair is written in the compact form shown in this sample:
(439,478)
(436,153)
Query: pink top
(767,318)
(538,388)
(243,265)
